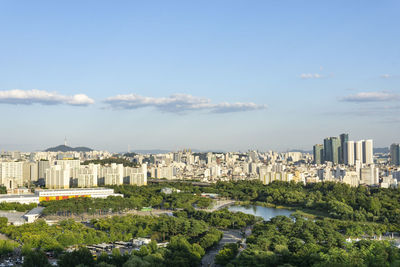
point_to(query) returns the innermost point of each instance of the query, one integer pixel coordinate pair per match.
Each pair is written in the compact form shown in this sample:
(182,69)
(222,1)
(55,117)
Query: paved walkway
(230,236)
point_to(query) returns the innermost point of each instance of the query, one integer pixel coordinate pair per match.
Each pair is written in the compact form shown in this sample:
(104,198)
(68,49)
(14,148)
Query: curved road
(230,236)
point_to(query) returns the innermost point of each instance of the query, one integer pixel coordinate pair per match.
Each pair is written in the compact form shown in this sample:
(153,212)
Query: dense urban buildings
(337,159)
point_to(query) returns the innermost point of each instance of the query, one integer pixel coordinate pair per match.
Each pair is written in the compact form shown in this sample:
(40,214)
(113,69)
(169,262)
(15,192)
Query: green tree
(80,256)
(36,258)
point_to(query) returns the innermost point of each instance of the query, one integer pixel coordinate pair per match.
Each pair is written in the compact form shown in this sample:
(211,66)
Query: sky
(209,75)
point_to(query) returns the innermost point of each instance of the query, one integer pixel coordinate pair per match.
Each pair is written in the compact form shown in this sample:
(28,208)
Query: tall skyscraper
(368,153)
(343,139)
(395,154)
(318,154)
(328,149)
(336,150)
(358,149)
(332,149)
(348,153)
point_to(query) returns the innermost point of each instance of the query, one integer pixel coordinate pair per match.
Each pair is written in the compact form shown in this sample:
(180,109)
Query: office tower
(358,149)
(395,154)
(318,154)
(343,139)
(368,153)
(332,149)
(348,153)
(328,149)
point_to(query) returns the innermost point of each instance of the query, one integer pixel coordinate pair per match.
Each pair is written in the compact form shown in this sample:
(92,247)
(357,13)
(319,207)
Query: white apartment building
(165,172)
(29,172)
(85,175)
(349,155)
(351,178)
(11,174)
(358,148)
(369,175)
(58,177)
(136,176)
(112,175)
(368,153)
(71,163)
(269,177)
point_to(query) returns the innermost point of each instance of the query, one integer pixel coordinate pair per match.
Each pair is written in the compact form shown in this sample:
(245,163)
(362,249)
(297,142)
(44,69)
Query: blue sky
(211,75)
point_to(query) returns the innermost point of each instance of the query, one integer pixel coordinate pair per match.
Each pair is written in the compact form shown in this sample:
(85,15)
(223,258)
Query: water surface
(264,212)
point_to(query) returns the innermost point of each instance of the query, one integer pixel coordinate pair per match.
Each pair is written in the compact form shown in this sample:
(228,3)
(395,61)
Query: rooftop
(74,189)
(16,196)
(35,211)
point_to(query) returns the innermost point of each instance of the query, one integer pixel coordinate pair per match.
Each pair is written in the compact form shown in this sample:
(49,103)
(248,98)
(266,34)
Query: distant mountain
(63,148)
(383,150)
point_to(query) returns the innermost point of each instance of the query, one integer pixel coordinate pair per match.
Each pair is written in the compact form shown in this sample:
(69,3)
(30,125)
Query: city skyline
(234,77)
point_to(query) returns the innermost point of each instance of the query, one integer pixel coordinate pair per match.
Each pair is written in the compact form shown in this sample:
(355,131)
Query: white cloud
(311,76)
(386,76)
(371,97)
(29,97)
(177,103)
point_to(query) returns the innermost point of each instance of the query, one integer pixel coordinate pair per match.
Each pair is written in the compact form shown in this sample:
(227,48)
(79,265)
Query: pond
(264,212)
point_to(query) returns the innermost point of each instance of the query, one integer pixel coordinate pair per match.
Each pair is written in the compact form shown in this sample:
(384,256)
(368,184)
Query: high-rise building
(358,149)
(112,175)
(369,175)
(136,176)
(328,149)
(348,153)
(368,153)
(85,175)
(58,177)
(43,165)
(29,172)
(318,154)
(343,139)
(395,154)
(332,149)
(11,174)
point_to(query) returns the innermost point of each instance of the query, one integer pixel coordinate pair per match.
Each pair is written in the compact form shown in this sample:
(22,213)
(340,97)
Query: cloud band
(29,97)
(178,103)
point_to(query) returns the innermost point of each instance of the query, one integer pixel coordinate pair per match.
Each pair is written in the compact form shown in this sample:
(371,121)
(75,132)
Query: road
(230,236)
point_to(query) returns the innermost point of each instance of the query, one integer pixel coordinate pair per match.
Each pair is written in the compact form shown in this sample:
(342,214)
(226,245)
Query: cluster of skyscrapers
(340,150)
